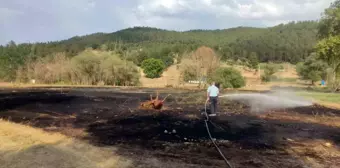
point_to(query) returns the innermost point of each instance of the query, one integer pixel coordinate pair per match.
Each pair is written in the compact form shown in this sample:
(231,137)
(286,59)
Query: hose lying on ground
(212,139)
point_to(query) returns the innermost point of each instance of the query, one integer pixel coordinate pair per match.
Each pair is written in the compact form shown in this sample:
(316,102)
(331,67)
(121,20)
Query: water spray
(259,102)
(267,101)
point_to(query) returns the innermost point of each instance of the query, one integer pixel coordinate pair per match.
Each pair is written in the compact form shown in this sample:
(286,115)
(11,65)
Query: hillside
(285,42)
(290,42)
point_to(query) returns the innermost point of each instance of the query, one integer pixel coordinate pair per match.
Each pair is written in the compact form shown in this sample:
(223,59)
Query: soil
(175,136)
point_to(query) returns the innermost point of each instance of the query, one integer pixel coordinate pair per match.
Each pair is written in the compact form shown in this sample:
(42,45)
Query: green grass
(319,96)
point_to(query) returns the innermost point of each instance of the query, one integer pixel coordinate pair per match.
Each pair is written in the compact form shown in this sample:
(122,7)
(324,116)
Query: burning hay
(155,104)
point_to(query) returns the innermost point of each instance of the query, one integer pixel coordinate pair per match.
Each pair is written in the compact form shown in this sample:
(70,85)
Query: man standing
(212,95)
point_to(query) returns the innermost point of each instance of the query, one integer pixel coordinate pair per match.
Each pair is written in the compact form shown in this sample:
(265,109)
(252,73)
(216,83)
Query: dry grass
(330,105)
(22,146)
(171,78)
(316,153)
(88,67)
(314,118)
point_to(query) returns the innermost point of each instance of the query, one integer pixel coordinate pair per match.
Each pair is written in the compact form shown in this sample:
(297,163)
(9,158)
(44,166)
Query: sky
(49,20)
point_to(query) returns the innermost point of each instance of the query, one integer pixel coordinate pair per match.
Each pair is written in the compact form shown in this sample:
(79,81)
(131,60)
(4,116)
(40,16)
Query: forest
(292,42)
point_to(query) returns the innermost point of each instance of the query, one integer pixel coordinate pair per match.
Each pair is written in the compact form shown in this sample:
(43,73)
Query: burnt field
(176,136)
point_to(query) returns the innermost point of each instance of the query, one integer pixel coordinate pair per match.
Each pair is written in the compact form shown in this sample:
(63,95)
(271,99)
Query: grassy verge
(331,100)
(319,96)
(22,146)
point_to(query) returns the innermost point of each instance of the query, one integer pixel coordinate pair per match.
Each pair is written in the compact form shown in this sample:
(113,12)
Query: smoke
(260,102)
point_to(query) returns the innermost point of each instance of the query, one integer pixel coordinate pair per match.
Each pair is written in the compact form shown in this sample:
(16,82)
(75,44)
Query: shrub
(89,68)
(92,67)
(269,71)
(119,72)
(228,78)
(312,69)
(198,64)
(153,68)
(253,61)
(51,69)
(140,57)
(85,68)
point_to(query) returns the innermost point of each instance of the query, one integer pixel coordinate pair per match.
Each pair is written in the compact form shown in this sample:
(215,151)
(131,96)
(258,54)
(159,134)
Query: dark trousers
(213,105)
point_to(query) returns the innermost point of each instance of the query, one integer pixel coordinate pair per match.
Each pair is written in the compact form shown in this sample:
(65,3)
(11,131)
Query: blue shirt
(213,91)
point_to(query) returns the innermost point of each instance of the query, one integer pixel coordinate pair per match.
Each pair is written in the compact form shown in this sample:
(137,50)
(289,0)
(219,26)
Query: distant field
(286,77)
(171,78)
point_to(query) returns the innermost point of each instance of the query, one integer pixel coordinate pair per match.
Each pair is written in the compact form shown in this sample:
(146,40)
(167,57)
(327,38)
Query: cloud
(7,14)
(263,11)
(46,20)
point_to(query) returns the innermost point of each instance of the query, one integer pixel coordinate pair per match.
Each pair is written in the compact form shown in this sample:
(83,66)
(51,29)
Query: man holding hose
(212,95)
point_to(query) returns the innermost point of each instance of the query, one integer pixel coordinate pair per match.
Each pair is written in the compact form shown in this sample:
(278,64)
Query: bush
(51,69)
(153,68)
(120,72)
(312,69)
(87,68)
(198,64)
(253,61)
(269,71)
(228,78)
(95,67)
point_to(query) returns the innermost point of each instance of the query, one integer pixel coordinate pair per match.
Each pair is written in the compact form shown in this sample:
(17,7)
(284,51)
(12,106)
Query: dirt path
(176,137)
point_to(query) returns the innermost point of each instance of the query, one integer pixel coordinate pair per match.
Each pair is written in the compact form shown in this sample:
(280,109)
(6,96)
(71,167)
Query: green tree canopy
(330,21)
(228,78)
(312,69)
(328,50)
(153,68)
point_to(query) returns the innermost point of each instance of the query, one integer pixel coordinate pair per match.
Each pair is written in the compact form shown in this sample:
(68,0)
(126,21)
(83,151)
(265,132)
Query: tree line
(324,61)
(290,42)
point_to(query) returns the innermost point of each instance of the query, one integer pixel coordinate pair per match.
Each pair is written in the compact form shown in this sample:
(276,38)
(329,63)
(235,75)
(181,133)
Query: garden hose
(212,139)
